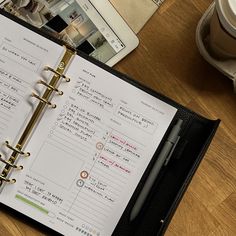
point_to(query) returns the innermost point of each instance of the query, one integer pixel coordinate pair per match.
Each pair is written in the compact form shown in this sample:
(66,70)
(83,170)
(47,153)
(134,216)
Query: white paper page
(23,54)
(88,155)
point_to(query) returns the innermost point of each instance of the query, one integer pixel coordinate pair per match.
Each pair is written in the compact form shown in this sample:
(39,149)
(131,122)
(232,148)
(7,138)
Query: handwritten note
(19,56)
(12,92)
(84,89)
(136,119)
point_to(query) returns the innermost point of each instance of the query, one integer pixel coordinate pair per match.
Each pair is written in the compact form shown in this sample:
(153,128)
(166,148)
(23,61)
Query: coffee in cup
(222,38)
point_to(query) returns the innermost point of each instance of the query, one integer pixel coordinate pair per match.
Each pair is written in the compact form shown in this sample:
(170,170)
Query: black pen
(161,160)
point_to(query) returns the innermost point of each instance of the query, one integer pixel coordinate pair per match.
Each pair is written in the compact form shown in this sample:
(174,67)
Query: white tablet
(92,26)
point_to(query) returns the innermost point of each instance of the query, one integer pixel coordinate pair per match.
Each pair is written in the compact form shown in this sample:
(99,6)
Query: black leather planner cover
(195,137)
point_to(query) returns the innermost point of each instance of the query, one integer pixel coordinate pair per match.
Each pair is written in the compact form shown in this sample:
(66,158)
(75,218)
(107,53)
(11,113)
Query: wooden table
(168,61)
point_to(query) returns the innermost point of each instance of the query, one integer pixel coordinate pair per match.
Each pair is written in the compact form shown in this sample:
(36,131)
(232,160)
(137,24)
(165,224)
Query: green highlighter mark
(43,210)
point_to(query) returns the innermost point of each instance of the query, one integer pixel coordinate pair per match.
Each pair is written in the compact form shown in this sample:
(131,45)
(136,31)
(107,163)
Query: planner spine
(44,101)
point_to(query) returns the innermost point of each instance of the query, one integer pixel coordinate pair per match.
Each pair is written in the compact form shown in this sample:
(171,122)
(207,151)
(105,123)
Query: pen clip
(171,152)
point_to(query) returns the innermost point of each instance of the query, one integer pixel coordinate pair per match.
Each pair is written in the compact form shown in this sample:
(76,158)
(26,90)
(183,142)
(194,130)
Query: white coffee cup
(222,40)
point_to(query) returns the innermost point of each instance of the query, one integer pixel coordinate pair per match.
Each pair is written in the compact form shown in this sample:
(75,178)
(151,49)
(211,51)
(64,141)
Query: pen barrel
(151,179)
(161,159)
(174,132)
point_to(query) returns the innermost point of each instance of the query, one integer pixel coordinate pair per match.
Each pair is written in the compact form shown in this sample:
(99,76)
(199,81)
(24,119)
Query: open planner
(78,139)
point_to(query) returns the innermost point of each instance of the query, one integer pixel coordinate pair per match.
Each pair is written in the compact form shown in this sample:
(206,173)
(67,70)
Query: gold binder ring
(10,164)
(44,100)
(11,181)
(50,87)
(26,154)
(57,73)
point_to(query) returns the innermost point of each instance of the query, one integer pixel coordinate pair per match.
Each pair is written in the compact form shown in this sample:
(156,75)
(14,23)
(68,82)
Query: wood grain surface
(168,61)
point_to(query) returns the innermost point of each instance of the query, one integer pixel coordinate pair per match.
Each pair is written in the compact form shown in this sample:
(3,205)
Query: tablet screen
(76,22)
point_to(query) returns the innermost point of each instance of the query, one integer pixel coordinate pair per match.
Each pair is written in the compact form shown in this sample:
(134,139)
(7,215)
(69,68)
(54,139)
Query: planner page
(23,54)
(88,154)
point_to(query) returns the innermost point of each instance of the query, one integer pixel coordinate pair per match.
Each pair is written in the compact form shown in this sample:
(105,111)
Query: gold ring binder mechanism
(50,87)
(57,73)
(26,154)
(43,102)
(10,164)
